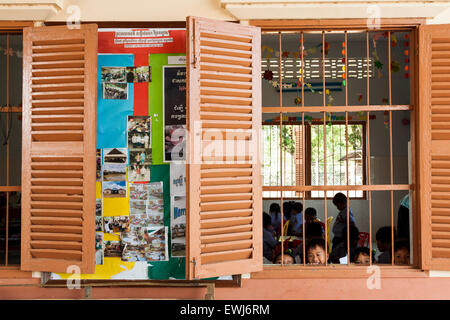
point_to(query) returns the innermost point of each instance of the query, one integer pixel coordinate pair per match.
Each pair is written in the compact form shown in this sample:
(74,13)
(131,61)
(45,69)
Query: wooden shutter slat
(231,245)
(219,59)
(56,236)
(228,92)
(225,214)
(224,256)
(211,83)
(224,197)
(226,237)
(59,148)
(225,37)
(228,52)
(225,222)
(225,76)
(225,108)
(243,188)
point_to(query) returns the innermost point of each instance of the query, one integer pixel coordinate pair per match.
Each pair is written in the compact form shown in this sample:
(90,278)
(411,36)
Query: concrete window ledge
(333,9)
(23,10)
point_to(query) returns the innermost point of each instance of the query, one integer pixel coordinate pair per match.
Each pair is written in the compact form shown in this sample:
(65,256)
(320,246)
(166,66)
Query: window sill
(335,272)
(14,272)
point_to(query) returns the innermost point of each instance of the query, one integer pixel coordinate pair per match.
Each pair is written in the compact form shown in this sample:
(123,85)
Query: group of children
(314,238)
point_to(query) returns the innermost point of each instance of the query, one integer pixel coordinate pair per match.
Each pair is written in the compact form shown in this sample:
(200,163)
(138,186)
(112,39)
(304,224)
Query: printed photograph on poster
(174,143)
(138,207)
(113,249)
(98,224)
(114,74)
(130,74)
(177,179)
(99,248)
(139,221)
(141,156)
(155,218)
(133,253)
(155,189)
(138,173)
(114,172)
(156,238)
(99,165)
(141,74)
(155,204)
(116,224)
(115,155)
(138,191)
(178,226)
(139,132)
(98,207)
(115,91)
(114,189)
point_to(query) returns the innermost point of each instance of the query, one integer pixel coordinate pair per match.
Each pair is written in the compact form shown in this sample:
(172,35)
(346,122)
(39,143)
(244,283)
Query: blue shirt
(341,221)
(296,222)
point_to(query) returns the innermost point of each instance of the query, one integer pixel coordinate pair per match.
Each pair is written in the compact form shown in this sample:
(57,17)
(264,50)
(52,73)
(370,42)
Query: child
(269,242)
(311,217)
(275,214)
(313,231)
(287,258)
(361,255)
(315,252)
(401,253)
(340,250)
(296,219)
(384,244)
(340,201)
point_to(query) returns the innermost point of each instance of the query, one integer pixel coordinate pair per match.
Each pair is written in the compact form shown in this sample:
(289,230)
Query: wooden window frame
(13,271)
(351,271)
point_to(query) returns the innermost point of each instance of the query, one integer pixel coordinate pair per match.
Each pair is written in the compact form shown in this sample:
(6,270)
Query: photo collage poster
(139,142)
(114,184)
(115,80)
(146,237)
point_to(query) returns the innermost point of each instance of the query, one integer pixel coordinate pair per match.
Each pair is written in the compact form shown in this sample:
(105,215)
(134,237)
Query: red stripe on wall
(141,89)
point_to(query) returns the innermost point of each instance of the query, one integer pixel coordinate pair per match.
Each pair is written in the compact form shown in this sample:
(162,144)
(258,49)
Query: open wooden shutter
(224,198)
(434,135)
(59,148)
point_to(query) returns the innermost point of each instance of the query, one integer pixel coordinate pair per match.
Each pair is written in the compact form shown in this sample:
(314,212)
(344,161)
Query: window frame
(349,271)
(14,27)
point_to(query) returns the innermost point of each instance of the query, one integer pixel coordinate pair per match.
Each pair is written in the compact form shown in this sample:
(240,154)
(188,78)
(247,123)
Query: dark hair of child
(267,219)
(275,207)
(340,198)
(286,253)
(313,230)
(362,250)
(384,234)
(287,209)
(297,206)
(401,244)
(315,242)
(311,212)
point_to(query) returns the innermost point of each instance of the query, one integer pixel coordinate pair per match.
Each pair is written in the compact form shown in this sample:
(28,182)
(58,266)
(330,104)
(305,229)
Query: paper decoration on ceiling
(343,61)
(406,53)
(268,75)
(386,119)
(377,62)
(360,116)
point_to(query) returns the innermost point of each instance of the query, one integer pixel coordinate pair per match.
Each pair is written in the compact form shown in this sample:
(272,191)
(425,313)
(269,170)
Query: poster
(177,179)
(178,225)
(174,101)
(99,248)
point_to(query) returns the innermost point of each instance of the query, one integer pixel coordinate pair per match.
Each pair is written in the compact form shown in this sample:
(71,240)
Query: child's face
(309,218)
(316,255)
(287,259)
(401,256)
(382,246)
(339,206)
(363,259)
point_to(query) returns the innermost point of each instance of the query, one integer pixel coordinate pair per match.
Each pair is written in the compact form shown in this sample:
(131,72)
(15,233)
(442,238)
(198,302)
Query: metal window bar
(390,147)
(368,154)
(281,147)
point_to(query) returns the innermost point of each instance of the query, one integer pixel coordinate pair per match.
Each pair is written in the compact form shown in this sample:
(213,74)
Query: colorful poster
(174,109)
(178,225)
(177,179)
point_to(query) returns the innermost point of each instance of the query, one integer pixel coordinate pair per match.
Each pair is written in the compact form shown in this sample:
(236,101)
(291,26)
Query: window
(10,147)
(336,114)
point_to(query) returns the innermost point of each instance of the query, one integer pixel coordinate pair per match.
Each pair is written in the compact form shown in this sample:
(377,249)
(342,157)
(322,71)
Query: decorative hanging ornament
(268,75)
(360,96)
(298,101)
(285,54)
(378,64)
(393,40)
(386,118)
(395,66)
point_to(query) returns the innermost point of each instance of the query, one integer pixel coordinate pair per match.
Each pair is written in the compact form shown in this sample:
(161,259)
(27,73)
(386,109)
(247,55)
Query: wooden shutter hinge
(194,264)
(195,60)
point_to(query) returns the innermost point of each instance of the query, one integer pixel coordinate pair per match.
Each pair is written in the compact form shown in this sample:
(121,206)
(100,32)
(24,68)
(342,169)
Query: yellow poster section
(111,266)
